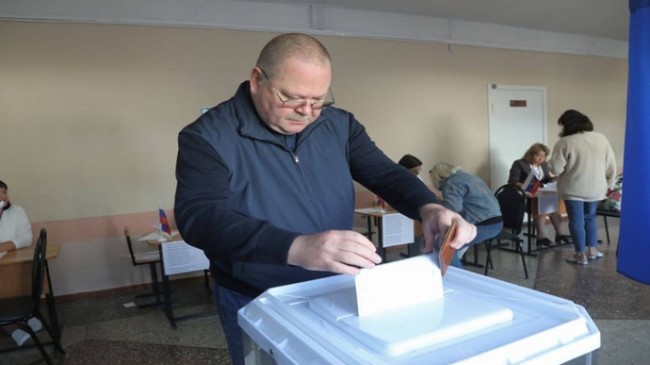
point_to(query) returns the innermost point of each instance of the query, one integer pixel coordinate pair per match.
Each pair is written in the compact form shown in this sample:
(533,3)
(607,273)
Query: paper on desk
(156,236)
(2,253)
(398,284)
(396,229)
(179,257)
(153,236)
(549,187)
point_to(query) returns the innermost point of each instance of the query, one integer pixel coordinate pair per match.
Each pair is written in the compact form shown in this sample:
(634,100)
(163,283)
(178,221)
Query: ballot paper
(397,285)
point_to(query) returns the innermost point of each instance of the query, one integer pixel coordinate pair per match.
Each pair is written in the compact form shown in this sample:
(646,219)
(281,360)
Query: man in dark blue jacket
(265,183)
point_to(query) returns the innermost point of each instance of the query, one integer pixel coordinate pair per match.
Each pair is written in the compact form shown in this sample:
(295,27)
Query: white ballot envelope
(397,285)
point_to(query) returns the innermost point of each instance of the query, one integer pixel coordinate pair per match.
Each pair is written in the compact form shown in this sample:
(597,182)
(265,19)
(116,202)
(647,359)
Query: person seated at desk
(414,165)
(411,163)
(15,233)
(15,228)
(535,160)
(471,197)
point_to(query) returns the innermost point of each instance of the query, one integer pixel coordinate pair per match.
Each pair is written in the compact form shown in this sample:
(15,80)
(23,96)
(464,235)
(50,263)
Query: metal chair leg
(37,342)
(523,259)
(488,259)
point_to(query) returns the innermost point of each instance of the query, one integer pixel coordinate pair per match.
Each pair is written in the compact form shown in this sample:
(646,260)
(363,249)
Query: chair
(151,258)
(607,213)
(17,311)
(512,201)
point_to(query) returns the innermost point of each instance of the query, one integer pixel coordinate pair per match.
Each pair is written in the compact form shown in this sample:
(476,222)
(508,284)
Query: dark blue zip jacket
(242,196)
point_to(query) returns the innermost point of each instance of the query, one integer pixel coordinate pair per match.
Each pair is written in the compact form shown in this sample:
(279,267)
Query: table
(16,271)
(608,213)
(167,292)
(401,229)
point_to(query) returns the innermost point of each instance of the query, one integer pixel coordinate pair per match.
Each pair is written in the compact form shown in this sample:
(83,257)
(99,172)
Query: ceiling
(596,18)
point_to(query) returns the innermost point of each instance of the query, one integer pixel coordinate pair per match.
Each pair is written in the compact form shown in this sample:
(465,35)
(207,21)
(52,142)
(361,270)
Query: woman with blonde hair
(534,160)
(471,197)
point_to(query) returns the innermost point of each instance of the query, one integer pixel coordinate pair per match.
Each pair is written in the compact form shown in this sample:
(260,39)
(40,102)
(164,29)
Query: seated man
(15,233)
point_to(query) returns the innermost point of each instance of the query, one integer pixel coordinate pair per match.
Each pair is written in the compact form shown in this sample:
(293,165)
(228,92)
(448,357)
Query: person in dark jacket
(265,183)
(535,160)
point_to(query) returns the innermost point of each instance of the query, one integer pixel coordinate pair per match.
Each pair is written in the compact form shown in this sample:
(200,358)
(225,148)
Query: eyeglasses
(289,102)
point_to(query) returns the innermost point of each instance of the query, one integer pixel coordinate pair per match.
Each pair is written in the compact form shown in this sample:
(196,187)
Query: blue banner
(634,240)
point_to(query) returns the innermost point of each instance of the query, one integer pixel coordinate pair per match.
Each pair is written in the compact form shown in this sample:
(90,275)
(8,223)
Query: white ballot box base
(479,320)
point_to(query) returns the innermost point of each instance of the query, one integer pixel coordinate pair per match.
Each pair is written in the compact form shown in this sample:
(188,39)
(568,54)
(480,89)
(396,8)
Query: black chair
(512,201)
(151,258)
(607,213)
(17,311)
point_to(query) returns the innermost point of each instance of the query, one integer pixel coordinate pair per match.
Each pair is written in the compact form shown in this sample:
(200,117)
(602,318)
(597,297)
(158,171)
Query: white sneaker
(35,324)
(20,337)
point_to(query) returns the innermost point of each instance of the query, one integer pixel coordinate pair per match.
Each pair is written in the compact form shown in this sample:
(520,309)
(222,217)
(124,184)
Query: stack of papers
(157,236)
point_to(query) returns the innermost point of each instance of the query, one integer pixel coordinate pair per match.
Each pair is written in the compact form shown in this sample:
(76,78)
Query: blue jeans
(582,223)
(483,233)
(228,303)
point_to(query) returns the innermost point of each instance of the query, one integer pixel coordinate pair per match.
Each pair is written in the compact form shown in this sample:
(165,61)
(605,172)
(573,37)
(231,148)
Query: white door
(517,119)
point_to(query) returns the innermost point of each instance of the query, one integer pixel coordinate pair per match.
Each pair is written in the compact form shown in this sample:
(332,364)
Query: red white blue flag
(164,223)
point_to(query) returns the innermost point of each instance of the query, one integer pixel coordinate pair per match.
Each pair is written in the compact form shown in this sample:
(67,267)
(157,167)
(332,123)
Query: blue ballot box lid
(479,320)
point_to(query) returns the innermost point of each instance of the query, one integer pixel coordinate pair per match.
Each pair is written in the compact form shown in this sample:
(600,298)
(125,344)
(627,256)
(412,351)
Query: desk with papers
(393,228)
(178,258)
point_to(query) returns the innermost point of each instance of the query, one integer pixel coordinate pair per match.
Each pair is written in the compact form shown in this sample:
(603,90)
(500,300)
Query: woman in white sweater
(15,233)
(585,163)
(15,228)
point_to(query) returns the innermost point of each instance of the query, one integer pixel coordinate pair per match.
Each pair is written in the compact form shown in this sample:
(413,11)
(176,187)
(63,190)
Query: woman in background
(15,233)
(411,163)
(585,164)
(534,160)
(471,197)
(15,228)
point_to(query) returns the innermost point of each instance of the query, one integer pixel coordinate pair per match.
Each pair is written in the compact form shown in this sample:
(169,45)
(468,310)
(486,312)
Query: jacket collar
(252,126)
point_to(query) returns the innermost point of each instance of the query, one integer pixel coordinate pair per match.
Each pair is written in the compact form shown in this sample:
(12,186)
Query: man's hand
(437,219)
(341,252)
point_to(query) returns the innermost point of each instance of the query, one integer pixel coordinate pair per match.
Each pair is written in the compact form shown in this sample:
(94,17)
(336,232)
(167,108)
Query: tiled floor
(97,329)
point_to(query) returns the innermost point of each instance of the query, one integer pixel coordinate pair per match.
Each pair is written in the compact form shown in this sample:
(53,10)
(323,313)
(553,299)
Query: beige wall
(89,113)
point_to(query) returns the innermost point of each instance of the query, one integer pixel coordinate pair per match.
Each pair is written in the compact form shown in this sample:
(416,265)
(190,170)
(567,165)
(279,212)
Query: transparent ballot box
(478,320)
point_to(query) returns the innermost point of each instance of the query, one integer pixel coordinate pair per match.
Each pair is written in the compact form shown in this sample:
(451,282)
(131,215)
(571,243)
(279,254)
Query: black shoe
(543,242)
(562,239)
